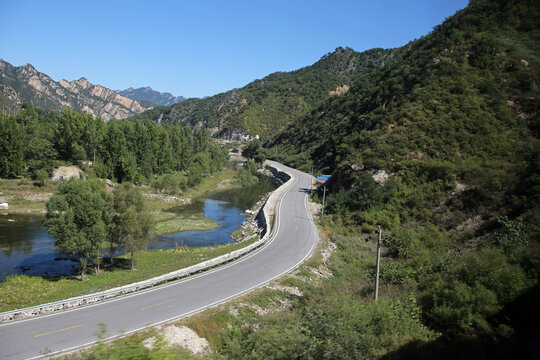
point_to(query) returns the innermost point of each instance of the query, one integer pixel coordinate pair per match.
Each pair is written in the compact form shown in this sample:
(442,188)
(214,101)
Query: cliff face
(39,90)
(9,100)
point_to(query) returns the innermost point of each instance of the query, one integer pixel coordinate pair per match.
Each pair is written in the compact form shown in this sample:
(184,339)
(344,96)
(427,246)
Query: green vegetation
(132,225)
(20,291)
(268,105)
(120,150)
(178,225)
(78,218)
(440,146)
(453,121)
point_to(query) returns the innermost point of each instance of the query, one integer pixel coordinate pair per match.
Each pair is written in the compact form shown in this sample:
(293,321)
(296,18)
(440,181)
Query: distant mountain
(39,90)
(265,107)
(149,95)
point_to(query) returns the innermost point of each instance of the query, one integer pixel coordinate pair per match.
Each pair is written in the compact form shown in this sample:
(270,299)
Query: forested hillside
(266,106)
(453,123)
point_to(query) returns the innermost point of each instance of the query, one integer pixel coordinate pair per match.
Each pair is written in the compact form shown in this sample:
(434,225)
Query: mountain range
(150,97)
(266,106)
(24,84)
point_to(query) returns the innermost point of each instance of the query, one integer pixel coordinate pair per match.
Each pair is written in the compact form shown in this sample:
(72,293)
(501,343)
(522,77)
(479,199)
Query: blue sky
(200,48)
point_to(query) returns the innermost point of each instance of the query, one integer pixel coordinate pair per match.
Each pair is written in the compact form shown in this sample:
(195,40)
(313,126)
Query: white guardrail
(18,314)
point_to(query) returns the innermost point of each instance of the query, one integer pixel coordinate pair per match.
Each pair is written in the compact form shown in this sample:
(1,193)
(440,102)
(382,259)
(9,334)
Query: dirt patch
(168,198)
(472,223)
(37,197)
(182,337)
(6,198)
(342,89)
(66,172)
(293,290)
(320,272)
(277,305)
(328,251)
(314,208)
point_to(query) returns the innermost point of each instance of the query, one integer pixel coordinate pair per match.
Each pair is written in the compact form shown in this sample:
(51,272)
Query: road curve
(68,330)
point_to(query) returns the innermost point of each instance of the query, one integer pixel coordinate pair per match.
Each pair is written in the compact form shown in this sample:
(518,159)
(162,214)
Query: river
(26,248)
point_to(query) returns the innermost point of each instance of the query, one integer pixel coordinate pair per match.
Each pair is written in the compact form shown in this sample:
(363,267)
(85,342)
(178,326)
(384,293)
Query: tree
(76,219)
(68,135)
(41,176)
(255,151)
(12,142)
(133,224)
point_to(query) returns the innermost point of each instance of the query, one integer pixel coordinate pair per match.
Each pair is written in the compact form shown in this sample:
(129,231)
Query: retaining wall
(263,218)
(267,209)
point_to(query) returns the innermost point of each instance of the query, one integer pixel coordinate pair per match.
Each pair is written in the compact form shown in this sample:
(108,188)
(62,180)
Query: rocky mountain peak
(39,90)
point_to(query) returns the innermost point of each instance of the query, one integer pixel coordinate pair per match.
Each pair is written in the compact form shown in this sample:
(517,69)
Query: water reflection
(16,233)
(26,248)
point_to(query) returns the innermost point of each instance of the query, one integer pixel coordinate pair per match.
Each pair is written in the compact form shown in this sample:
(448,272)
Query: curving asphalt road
(65,331)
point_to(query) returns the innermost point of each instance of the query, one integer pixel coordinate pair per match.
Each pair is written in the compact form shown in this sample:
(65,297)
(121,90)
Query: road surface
(69,330)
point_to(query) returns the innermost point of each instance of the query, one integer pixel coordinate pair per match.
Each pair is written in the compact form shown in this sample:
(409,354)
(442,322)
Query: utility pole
(378,265)
(323,198)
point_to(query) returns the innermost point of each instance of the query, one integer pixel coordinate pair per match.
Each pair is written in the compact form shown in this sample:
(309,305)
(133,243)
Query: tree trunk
(132,261)
(112,251)
(82,266)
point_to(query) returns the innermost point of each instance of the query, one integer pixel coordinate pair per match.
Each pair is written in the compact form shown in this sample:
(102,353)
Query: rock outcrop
(9,100)
(39,90)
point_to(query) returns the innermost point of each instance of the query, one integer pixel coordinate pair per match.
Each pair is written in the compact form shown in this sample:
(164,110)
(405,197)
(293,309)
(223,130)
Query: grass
(24,197)
(22,291)
(180,224)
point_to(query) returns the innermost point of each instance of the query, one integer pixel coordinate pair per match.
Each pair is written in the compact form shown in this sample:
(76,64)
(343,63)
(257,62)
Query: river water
(26,248)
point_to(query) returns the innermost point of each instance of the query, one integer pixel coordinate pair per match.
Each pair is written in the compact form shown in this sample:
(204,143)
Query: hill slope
(39,90)
(149,95)
(441,148)
(266,106)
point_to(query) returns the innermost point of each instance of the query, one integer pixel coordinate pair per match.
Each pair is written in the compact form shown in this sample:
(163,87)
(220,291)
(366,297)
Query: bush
(41,175)
(402,244)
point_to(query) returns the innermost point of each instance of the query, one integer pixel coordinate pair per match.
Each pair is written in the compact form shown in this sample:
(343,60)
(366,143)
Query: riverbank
(164,206)
(22,291)
(25,197)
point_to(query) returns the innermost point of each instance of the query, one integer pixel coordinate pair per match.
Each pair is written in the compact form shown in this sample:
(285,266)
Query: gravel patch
(327,252)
